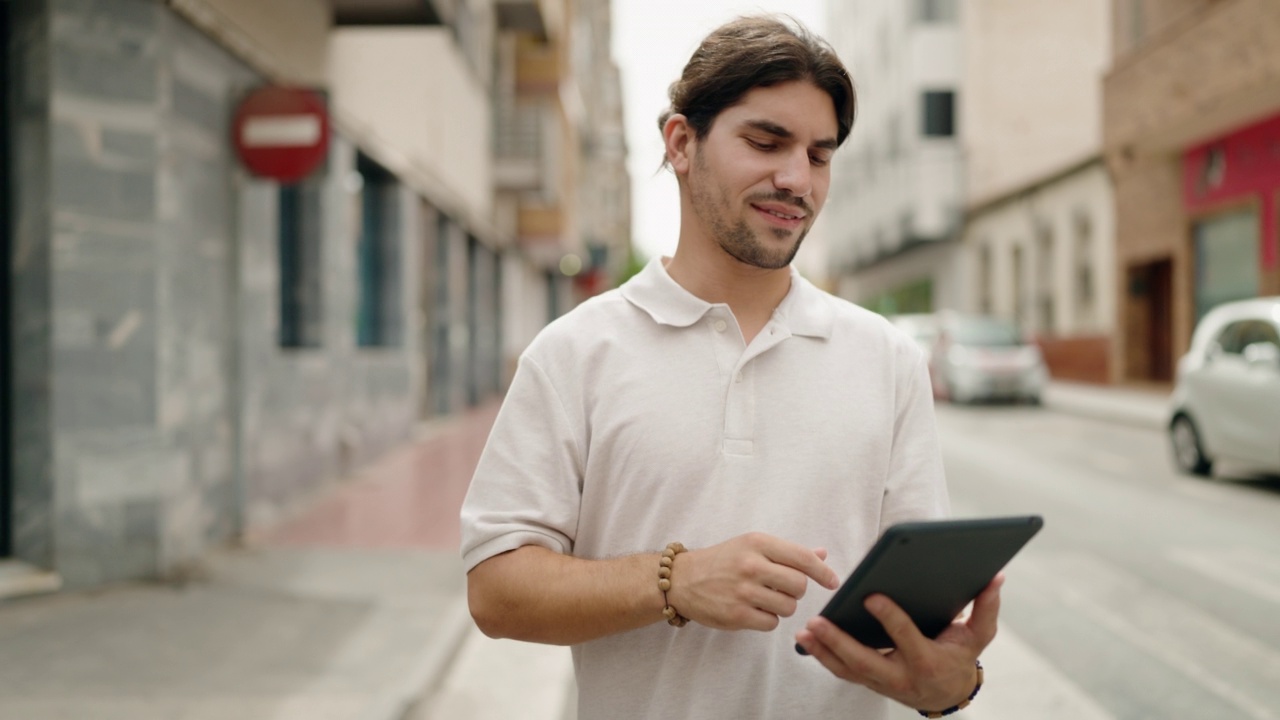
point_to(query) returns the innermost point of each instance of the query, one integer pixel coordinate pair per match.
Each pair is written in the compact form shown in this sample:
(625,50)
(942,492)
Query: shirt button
(720,325)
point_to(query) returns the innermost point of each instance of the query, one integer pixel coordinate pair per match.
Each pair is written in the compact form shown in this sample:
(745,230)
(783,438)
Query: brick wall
(1085,358)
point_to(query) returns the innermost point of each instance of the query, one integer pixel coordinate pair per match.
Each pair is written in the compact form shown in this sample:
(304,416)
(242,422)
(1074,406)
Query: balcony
(521,16)
(387,12)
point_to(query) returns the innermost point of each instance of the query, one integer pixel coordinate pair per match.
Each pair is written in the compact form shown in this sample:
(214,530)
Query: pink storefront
(1231,193)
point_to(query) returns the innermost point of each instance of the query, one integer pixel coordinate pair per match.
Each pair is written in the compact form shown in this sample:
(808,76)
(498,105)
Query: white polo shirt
(641,418)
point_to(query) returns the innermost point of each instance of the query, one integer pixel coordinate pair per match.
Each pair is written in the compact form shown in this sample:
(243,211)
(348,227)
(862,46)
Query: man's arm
(538,595)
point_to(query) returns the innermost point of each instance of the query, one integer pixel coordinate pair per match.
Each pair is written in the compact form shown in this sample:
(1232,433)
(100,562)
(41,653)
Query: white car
(1226,404)
(978,358)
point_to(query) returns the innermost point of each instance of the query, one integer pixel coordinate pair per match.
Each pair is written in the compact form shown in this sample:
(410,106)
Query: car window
(1256,331)
(984,332)
(1229,339)
(1239,335)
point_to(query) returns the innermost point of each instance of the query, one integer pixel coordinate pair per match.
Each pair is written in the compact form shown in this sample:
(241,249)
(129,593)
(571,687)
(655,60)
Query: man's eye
(760,145)
(819,161)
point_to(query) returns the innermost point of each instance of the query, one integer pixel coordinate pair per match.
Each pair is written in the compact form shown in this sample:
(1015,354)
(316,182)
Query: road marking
(1243,569)
(1171,631)
(1023,684)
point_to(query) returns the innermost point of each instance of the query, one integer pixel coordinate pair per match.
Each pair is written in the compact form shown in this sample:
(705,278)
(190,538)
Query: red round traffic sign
(281,133)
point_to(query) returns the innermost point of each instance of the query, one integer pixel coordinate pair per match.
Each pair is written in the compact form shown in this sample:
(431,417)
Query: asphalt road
(1148,594)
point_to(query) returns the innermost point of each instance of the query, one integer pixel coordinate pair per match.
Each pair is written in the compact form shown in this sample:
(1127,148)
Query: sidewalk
(1141,406)
(350,611)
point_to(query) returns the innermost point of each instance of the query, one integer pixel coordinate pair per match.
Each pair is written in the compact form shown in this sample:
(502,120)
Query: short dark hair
(752,52)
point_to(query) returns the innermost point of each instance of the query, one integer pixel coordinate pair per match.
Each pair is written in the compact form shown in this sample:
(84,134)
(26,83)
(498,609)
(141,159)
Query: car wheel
(1188,453)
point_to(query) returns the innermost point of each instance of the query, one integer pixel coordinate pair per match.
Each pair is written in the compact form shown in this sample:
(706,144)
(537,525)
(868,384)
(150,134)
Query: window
(1240,335)
(936,11)
(1137,23)
(301,320)
(939,113)
(984,279)
(378,317)
(1226,259)
(1017,285)
(1084,270)
(1044,280)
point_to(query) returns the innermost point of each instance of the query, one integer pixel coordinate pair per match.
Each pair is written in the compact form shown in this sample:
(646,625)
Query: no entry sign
(281,133)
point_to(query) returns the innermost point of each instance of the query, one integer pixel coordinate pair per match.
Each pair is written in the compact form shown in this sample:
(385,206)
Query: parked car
(922,327)
(1226,401)
(977,357)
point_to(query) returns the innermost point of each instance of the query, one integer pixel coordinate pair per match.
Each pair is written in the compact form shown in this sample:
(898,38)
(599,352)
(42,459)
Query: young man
(720,400)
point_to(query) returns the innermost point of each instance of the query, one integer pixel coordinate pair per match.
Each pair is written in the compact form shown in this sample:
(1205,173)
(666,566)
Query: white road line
(1242,570)
(1171,631)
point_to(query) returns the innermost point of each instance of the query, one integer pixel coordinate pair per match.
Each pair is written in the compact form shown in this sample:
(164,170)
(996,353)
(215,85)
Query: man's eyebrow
(777,130)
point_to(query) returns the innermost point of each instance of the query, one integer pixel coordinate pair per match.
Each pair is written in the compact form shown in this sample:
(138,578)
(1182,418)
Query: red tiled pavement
(408,499)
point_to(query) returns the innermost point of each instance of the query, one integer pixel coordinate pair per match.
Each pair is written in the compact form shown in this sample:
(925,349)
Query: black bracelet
(963,703)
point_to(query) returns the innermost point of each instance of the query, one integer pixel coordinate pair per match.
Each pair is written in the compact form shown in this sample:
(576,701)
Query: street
(1146,595)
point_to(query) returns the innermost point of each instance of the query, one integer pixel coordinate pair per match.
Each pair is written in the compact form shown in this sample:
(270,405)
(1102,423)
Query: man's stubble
(736,237)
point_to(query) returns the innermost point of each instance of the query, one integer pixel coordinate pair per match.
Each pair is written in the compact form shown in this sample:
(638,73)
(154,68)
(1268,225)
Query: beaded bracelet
(668,559)
(963,703)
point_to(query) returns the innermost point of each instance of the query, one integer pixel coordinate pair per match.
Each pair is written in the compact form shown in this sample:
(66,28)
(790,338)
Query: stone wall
(155,411)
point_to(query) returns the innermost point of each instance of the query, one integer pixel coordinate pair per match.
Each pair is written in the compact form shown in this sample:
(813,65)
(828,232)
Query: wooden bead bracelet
(668,559)
(963,703)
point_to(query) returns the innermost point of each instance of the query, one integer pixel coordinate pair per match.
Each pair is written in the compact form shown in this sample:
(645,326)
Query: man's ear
(677,133)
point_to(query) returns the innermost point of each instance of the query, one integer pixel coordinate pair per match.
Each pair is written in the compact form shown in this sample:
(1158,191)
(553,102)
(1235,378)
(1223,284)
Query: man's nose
(795,175)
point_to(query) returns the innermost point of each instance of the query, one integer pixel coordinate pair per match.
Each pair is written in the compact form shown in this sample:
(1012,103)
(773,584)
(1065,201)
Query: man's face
(760,176)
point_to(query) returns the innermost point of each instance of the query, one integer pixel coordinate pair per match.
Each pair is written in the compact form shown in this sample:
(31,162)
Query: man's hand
(921,673)
(746,583)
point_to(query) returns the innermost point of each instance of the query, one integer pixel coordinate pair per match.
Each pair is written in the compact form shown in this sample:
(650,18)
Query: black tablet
(931,569)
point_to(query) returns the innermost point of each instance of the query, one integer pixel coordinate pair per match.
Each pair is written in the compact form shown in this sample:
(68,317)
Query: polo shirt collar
(805,310)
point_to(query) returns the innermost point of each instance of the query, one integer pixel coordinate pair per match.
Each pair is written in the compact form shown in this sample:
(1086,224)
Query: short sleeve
(527,485)
(916,488)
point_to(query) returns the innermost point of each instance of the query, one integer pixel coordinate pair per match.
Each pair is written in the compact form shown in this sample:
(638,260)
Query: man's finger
(860,663)
(986,609)
(802,559)
(898,625)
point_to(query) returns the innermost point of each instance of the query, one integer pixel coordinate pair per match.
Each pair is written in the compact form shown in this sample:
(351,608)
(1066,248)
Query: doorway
(1149,316)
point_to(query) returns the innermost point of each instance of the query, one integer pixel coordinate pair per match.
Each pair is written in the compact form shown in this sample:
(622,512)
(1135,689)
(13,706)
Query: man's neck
(752,293)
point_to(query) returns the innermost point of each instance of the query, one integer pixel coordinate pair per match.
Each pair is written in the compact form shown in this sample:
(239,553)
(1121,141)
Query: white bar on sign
(281,131)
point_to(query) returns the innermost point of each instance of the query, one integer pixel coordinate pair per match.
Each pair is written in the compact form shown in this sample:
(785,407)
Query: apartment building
(1191,127)
(193,348)
(1038,240)
(893,215)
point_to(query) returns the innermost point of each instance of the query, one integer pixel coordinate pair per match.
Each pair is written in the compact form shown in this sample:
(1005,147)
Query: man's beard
(737,238)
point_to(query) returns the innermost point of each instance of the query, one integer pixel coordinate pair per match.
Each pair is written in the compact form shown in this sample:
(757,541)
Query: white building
(1038,242)
(895,205)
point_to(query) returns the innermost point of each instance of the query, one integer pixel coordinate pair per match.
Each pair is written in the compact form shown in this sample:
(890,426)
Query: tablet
(931,569)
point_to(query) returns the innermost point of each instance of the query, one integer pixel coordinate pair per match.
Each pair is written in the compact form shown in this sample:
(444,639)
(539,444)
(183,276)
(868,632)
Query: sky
(652,41)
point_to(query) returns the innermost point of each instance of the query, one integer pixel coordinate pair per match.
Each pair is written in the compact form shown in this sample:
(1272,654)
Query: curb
(428,670)
(1148,413)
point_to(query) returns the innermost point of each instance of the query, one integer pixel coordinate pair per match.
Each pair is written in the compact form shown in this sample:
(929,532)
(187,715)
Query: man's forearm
(537,595)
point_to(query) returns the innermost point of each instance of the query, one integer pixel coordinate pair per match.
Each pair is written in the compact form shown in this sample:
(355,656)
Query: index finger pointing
(803,559)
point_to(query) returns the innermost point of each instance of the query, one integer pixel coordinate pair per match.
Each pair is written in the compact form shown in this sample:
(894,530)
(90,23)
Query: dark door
(6,504)
(1161,299)
(1149,322)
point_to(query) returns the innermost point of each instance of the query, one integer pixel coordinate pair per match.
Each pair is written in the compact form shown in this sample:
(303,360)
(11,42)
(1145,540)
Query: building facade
(193,350)
(1191,130)
(893,215)
(1038,239)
